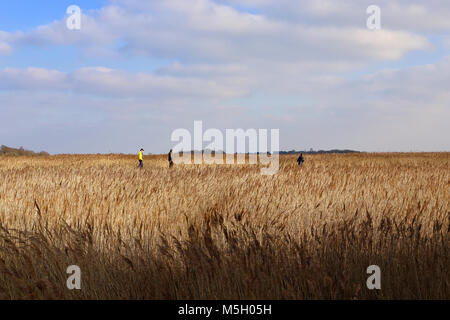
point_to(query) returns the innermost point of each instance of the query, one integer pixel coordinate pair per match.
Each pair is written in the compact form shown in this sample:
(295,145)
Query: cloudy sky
(137,70)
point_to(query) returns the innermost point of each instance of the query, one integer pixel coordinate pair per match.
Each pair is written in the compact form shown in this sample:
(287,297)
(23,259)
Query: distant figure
(170,159)
(141,158)
(300,159)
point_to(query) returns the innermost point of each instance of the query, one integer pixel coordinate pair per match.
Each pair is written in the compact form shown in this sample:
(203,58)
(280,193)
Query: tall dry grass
(225,231)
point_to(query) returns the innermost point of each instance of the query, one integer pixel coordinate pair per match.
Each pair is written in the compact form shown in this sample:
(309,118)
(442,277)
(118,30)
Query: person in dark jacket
(300,159)
(170,159)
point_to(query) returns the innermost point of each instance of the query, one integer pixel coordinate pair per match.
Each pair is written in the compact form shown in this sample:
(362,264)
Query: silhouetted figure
(170,159)
(300,159)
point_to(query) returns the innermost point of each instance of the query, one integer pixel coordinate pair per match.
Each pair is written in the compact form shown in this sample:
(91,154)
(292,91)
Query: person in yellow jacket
(141,158)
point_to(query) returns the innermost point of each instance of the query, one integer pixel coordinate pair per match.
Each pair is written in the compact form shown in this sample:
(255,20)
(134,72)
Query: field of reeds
(225,231)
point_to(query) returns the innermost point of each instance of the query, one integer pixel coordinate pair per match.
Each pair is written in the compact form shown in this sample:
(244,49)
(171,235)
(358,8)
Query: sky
(137,70)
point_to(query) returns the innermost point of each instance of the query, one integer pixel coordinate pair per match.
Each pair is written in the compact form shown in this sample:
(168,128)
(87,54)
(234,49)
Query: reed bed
(225,231)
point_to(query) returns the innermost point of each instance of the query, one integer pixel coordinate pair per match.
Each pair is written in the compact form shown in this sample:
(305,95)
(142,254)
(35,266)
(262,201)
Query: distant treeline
(281,152)
(319,151)
(8,151)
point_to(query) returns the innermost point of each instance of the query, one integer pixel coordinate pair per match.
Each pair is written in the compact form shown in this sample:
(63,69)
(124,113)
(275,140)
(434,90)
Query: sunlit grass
(225,231)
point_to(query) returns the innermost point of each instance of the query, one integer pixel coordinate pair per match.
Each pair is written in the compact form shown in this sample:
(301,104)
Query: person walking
(141,158)
(300,159)
(170,159)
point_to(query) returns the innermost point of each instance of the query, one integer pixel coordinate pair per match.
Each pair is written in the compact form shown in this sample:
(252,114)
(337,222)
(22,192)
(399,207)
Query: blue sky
(25,15)
(137,70)
(14,17)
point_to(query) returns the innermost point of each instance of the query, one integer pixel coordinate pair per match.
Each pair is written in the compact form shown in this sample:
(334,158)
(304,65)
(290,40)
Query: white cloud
(201,31)
(31,79)
(279,66)
(5,48)
(390,110)
(114,83)
(446,42)
(407,15)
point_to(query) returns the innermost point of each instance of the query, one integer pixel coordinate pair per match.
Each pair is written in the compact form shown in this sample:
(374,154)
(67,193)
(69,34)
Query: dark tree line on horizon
(9,151)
